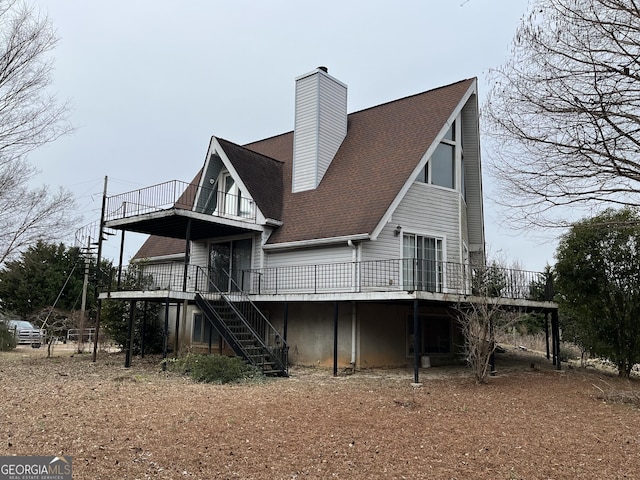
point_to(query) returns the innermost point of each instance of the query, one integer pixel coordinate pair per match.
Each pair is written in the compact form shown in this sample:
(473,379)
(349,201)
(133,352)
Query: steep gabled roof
(382,148)
(261,175)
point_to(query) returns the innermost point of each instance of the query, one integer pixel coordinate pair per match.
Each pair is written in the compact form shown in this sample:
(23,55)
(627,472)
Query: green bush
(214,368)
(7,339)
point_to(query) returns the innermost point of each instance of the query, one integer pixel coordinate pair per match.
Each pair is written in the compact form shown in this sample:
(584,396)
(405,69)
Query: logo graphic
(35,468)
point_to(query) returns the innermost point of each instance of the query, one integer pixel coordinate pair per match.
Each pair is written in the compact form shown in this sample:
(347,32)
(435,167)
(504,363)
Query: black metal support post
(285,325)
(187,256)
(165,341)
(555,324)
(546,332)
(210,337)
(176,343)
(129,350)
(492,357)
(335,339)
(416,343)
(143,328)
(124,213)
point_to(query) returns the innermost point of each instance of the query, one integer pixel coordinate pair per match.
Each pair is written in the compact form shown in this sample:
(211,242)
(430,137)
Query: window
(202,331)
(435,335)
(422,263)
(441,168)
(230,200)
(443,163)
(227,260)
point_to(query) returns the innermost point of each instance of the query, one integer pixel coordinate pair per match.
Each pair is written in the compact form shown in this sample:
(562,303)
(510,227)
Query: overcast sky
(151,81)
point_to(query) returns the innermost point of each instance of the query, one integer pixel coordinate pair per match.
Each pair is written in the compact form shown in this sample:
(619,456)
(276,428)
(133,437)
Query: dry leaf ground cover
(528,422)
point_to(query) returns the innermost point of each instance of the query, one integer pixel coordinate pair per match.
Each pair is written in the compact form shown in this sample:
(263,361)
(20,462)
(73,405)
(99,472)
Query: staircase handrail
(244,298)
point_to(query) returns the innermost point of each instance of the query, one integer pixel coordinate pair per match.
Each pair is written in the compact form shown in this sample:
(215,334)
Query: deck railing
(368,276)
(181,195)
(397,275)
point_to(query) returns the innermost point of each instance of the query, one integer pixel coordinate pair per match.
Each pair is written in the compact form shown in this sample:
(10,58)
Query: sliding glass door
(227,260)
(422,263)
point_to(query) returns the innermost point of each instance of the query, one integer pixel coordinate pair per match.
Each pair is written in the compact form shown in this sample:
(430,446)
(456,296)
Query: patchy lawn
(529,422)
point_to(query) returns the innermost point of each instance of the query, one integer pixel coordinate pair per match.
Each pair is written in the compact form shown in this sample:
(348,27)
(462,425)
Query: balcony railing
(181,195)
(369,276)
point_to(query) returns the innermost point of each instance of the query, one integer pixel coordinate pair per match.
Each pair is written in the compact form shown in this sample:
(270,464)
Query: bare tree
(563,113)
(29,117)
(482,320)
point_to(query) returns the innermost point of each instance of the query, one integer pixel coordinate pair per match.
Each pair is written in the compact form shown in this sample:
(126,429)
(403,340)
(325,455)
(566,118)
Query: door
(227,261)
(422,263)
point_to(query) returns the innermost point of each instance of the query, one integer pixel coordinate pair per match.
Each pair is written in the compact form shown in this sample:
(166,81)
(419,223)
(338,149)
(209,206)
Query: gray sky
(151,80)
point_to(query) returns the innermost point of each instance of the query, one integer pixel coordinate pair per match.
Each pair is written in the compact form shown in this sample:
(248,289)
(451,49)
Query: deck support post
(187,255)
(176,342)
(492,357)
(120,257)
(165,339)
(555,325)
(546,332)
(143,328)
(129,350)
(335,339)
(285,324)
(416,343)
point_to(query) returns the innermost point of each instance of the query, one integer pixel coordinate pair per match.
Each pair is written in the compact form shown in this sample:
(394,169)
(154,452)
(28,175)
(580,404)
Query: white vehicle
(26,333)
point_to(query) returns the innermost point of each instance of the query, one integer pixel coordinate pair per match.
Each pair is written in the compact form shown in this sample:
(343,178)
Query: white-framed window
(230,200)
(422,263)
(442,167)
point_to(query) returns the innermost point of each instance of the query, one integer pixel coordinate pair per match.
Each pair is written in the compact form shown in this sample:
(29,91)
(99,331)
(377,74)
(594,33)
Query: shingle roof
(381,150)
(261,175)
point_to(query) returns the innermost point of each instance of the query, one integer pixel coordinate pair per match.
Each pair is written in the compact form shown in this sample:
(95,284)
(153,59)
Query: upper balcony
(181,210)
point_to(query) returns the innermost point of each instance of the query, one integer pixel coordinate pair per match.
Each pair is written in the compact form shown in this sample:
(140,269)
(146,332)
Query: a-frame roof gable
(261,175)
(383,146)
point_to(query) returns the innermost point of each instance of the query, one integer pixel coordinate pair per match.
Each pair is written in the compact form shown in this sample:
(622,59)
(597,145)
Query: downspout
(354,312)
(354,318)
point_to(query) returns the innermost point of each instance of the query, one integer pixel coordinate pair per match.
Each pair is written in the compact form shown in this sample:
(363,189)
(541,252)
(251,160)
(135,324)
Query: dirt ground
(528,422)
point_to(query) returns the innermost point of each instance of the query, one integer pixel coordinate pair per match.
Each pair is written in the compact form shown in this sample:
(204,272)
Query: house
(346,242)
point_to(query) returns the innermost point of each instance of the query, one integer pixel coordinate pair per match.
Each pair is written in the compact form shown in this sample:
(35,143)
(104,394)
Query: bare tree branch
(563,114)
(29,118)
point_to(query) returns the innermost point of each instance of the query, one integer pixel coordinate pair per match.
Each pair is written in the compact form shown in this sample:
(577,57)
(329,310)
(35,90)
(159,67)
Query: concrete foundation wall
(380,333)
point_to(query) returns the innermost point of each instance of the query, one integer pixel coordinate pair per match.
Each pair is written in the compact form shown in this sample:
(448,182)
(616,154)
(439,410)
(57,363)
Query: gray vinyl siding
(311,270)
(310,256)
(464,232)
(306,135)
(320,127)
(257,251)
(473,174)
(200,254)
(425,210)
(332,123)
